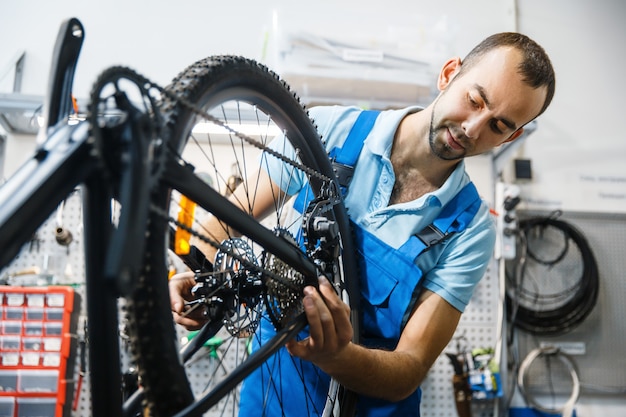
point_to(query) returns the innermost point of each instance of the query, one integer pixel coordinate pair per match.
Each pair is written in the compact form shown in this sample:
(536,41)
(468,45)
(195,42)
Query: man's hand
(180,286)
(330,330)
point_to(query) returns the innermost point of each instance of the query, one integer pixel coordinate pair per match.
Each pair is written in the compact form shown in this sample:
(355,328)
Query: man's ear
(449,70)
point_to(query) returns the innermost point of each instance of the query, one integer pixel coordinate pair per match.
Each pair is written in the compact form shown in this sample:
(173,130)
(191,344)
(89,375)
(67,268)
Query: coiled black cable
(551,314)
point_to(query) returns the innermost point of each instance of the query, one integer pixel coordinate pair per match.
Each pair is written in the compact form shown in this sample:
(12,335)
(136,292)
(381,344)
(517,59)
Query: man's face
(483,107)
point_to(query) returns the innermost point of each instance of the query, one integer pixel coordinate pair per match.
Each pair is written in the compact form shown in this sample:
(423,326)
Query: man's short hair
(535,67)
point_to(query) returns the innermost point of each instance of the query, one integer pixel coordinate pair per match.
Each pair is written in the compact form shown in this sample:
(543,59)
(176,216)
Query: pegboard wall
(64,265)
(477,330)
(44,260)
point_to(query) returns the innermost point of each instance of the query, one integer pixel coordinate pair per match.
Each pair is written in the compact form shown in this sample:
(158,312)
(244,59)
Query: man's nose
(474,124)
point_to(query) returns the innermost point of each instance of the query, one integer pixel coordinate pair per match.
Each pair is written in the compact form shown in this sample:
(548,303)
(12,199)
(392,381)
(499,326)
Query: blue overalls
(389,284)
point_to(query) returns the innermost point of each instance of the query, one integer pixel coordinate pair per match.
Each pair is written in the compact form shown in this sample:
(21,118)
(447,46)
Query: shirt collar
(380,139)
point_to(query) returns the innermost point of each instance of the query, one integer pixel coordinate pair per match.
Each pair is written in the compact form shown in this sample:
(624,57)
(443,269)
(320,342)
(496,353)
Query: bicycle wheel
(261,261)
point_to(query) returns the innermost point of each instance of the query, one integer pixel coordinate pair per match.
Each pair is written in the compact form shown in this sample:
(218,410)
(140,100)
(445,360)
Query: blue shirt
(451,269)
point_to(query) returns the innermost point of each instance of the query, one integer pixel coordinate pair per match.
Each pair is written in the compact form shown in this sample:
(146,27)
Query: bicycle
(132,150)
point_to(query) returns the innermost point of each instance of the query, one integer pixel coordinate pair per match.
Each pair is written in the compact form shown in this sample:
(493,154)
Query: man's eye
(472,102)
(498,127)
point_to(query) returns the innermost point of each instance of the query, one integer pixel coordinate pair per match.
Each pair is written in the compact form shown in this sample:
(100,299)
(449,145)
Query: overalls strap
(454,217)
(344,159)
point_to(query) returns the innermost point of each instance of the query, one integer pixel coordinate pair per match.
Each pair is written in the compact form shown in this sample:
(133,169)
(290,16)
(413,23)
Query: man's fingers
(340,311)
(298,348)
(314,308)
(186,322)
(180,286)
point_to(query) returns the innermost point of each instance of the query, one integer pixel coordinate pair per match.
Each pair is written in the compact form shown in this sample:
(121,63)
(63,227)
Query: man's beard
(440,148)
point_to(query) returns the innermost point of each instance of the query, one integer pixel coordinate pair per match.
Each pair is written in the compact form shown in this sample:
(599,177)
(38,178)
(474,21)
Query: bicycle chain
(200,112)
(147,84)
(311,172)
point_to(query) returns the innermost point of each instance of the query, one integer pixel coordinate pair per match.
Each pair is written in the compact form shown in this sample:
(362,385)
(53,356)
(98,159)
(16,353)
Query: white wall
(579,152)
(159,38)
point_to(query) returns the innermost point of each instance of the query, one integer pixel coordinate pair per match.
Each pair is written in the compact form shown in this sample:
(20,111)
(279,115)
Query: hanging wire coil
(552,286)
(566,409)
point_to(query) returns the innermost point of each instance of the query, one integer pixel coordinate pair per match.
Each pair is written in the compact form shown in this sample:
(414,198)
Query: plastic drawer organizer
(35,344)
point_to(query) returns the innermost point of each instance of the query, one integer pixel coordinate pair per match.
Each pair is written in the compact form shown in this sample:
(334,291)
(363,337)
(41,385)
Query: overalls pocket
(388,280)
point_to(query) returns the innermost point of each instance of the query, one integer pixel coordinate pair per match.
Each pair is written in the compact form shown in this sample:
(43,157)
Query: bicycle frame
(70,157)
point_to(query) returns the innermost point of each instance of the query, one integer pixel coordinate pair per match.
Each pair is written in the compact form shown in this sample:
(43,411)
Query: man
(410,167)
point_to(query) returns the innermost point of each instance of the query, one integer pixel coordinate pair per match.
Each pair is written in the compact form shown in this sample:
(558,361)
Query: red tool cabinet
(36,343)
